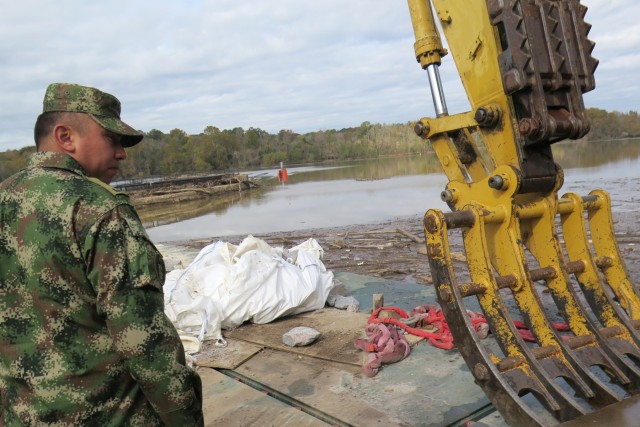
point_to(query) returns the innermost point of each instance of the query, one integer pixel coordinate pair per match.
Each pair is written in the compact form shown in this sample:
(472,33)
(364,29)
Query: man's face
(99,151)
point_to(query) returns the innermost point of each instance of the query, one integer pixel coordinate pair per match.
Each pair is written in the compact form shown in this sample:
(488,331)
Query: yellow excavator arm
(524,65)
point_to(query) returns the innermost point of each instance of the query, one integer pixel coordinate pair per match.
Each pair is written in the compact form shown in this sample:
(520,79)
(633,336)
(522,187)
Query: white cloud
(293,64)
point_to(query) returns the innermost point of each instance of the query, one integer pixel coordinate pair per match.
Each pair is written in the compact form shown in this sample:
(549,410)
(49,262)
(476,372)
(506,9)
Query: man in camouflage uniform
(83,336)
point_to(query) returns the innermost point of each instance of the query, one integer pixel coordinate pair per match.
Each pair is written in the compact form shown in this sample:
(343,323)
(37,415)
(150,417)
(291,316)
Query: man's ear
(65,138)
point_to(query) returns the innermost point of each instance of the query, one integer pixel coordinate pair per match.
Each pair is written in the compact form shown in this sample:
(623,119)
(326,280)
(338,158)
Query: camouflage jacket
(83,335)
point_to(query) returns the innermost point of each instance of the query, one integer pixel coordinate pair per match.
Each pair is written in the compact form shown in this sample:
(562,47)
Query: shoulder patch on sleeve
(107,187)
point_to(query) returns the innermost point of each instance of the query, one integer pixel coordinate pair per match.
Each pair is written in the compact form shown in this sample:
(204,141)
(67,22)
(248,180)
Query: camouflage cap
(102,107)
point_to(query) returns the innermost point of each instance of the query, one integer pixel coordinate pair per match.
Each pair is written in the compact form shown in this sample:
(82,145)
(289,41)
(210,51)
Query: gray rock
(300,336)
(346,303)
(331,300)
(353,308)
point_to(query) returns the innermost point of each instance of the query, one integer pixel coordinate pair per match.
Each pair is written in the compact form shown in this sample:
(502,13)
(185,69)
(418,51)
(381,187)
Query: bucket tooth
(538,230)
(606,249)
(512,254)
(619,330)
(506,254)
(518,372)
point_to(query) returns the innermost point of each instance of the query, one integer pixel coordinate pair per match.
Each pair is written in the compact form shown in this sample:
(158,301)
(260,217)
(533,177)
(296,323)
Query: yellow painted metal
(515,231)
(499,240)
(478,257)
(540,237)
(442,133)
(517,357)
(608,254)
(473,43)
(428,46)
(448,124)
(452,164)
(480,271)
(474,47)
(507,256)
(571,209)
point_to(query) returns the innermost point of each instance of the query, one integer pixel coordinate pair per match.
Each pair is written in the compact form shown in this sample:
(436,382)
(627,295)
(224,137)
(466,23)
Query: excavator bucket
(534,260)
(570,373)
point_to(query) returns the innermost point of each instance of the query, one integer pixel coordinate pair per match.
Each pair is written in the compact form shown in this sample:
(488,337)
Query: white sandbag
(189,308)
(227,285)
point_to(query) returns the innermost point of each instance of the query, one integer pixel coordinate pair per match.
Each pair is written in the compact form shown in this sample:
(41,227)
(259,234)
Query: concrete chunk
(346,303)
(300,336)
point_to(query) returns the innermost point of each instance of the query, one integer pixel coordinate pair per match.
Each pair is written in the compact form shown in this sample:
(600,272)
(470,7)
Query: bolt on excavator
(525,65)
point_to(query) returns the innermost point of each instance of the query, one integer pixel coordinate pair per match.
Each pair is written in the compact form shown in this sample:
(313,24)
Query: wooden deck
(259,381)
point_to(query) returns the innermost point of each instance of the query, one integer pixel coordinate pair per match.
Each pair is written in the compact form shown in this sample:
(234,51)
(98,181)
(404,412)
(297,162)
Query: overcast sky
(273,64)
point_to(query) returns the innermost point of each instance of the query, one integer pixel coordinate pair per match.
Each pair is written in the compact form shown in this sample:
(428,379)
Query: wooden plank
(229,357)
(432,387)
(227,402)
(339,329)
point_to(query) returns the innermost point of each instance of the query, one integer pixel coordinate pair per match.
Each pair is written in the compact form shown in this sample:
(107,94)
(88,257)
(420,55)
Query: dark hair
(46,122)
(44,125)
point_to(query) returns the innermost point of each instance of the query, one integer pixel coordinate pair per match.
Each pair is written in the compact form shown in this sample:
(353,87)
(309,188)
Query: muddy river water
(379,190)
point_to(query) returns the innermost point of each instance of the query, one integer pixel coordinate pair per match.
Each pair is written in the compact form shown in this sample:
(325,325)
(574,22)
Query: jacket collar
(51,159)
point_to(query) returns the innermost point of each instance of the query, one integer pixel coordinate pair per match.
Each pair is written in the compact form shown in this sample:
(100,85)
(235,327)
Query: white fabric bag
(227,285)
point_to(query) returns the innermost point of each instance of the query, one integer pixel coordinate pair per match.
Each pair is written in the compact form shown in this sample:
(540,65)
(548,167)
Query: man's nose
(121,153)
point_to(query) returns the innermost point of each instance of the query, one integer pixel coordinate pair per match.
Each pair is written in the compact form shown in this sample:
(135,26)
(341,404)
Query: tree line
(216,150)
